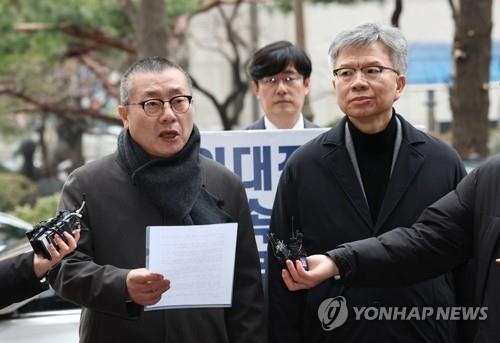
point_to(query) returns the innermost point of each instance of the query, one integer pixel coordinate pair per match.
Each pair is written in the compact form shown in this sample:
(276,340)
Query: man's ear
(255,89)
(307,83)
(122,110)
(400,85)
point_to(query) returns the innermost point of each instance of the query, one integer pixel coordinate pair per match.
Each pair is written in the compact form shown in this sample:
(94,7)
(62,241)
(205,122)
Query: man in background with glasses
(280,75)
(156,177)
(372,172)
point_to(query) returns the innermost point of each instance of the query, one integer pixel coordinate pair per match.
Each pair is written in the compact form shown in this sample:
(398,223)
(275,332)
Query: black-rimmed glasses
(155,107)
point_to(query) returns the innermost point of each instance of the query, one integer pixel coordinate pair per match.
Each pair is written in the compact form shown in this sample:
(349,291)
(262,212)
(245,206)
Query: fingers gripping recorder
(292,251)
(43,233)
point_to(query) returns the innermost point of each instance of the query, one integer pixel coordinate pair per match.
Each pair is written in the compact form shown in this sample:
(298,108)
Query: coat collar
(411,135)
(409,161)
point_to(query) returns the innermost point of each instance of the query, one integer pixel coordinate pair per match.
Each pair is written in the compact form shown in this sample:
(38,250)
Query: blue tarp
(431,63)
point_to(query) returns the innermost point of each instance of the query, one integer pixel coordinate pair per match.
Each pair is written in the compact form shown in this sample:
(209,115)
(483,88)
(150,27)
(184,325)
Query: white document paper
(198,260)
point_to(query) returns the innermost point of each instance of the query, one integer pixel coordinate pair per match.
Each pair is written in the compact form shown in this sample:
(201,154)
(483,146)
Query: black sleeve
(246,318)
(440,240)
(285,307)
(18,279)
(78,278)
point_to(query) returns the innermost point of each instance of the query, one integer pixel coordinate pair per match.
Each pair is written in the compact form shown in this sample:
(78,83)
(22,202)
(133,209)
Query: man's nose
(281,87)
(168,113)
(359,80)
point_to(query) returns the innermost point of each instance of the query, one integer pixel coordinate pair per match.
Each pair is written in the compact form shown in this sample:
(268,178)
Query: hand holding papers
(198,260)
(146,288)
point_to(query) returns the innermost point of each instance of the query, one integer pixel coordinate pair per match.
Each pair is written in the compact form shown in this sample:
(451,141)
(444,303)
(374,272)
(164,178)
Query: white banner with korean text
(258,157)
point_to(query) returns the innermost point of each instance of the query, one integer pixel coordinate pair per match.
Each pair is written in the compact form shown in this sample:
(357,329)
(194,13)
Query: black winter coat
(116,215)
(319,194)
(463,224)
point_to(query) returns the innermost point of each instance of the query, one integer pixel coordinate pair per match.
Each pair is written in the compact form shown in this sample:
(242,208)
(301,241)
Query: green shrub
(44,208)
(16,189)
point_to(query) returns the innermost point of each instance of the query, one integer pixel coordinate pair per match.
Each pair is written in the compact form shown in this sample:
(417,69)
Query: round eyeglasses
(155,107)
(368,72)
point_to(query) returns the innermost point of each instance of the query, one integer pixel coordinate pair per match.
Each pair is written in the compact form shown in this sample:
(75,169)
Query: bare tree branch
(97,69)
(205,92)
(241,88)
(79,32)
(211,4)
(398,8)
(229,32)
(62,111)
(211,97)
(214,49)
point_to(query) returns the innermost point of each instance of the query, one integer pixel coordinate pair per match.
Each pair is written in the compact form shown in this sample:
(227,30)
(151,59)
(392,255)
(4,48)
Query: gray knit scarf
(173,184)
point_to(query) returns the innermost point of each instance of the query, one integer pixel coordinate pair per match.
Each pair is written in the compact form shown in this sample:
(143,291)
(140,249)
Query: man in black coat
(23,276)
(156,178)
(280,74)
(370,173)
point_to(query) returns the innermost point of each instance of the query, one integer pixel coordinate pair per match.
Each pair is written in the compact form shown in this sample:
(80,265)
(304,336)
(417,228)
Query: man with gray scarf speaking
(156,177)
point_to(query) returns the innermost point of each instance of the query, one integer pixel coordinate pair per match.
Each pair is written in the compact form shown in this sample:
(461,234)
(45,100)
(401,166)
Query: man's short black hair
(153,64)
(275,57)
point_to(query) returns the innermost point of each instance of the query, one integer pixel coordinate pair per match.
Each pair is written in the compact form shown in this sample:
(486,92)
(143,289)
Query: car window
(10,235)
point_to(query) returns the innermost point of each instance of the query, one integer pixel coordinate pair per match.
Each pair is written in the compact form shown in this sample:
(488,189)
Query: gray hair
(153,64)
(366,34)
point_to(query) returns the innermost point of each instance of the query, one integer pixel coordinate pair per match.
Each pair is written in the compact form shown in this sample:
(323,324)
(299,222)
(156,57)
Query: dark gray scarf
(173,184)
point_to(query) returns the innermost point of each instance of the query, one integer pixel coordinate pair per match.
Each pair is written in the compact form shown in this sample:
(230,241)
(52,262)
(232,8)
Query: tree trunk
(469,96)
(149,24)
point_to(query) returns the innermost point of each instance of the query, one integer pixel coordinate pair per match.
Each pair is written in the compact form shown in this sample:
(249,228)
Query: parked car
(12,229)
(45,318)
